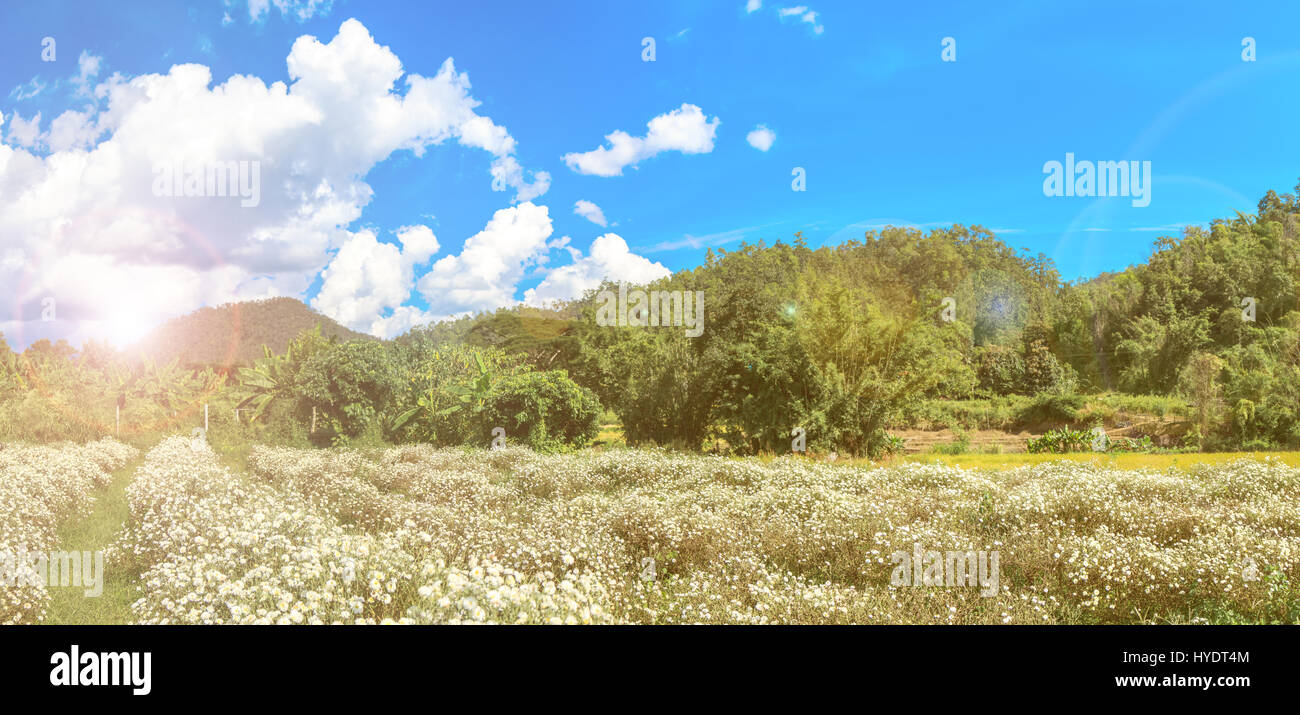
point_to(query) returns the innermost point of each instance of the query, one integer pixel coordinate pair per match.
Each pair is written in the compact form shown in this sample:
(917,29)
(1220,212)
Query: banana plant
(119,382)
(162,385)
(467,396)
(271,379)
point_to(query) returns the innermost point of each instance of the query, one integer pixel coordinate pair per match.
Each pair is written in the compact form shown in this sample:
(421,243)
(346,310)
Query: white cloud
(761,138)
(804,15)
(72,130)
(491,263)
(368,278)
(684,129)
(753,5)
(590,211)
(87,70)
(88,67)
(609,259)
(418,243)
(24,132)
(26,91)
(300,10)
(87,229)
(400,321)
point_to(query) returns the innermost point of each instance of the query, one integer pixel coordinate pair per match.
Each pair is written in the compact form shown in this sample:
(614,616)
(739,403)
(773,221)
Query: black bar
(948,666)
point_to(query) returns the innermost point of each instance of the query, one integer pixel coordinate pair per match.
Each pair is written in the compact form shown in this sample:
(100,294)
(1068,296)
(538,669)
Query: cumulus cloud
(491,263)
(761,138)
(590,211)
(753,5)
(684,129)
(72,130)
(80,220)
(609,259)
(418,243)
(24,132)
(368,279)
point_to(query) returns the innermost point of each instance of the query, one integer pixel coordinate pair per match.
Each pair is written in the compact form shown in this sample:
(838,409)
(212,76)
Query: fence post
(205,417)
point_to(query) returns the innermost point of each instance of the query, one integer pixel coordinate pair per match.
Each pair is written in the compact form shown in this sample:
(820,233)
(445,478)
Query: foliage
(353,385)
(1063,441)
(1047,408)
(840,341)
(464,393)
(544,410)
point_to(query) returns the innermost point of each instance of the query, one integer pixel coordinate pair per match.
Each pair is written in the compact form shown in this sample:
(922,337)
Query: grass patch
(610,435)
(95,532)
(1117,461)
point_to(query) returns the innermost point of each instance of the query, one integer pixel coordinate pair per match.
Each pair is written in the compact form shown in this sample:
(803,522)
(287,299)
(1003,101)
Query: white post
(118,409)
(205,417)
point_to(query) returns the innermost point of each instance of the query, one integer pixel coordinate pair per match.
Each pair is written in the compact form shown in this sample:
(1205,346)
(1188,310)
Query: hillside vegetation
(234,334)
(825,349)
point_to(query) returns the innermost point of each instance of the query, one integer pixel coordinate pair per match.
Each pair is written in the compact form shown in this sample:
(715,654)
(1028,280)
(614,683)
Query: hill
(235,333)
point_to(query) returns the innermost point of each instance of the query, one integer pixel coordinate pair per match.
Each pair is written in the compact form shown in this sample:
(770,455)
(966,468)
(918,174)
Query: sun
(125,328)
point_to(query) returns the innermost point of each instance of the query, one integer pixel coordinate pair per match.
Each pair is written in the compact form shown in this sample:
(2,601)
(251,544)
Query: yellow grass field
(1114,461)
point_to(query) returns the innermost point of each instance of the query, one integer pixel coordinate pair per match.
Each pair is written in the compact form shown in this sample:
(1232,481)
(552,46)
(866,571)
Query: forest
(953,327)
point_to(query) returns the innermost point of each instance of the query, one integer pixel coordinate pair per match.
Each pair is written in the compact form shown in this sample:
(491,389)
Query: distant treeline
(835,341)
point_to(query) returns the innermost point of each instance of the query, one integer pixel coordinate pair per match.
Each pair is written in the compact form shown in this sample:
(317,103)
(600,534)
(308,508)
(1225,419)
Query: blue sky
(856,94)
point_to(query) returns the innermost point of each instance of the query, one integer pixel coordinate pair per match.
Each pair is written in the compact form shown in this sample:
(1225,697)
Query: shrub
(999,369)
(545,410)
(1062,441)
(1047,408)
(352,384)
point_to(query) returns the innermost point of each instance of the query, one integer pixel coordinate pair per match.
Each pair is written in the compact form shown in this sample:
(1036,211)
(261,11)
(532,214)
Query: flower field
(419,535)
(795,541)
(217,547)
(39,487)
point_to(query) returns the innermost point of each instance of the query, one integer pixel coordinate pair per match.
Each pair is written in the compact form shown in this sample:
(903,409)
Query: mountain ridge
(232,334)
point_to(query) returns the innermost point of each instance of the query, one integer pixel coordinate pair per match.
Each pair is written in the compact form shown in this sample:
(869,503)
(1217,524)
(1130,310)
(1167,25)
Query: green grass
(1126,460)
(990,459)
(95,531)
(610,435)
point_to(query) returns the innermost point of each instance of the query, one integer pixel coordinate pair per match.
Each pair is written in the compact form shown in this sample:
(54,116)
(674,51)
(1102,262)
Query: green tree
(354,385)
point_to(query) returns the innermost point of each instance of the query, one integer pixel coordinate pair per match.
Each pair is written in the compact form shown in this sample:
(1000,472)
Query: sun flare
(125,328)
